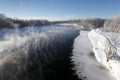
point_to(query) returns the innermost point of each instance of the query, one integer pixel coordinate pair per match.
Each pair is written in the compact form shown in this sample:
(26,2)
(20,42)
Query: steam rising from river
(25,52)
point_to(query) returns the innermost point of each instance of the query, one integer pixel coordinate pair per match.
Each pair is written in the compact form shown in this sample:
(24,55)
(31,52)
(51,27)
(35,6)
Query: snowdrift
(85,64)
(102,42)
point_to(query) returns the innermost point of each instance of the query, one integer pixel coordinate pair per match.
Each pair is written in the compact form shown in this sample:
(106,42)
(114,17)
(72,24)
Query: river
(37,53)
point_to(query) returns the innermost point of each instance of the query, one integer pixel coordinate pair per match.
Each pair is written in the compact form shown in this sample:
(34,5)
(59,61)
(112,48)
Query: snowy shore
(86,65)
(102,41)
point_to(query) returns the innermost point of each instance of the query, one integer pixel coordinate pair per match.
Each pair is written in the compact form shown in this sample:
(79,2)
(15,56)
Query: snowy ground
(86,65)
(102,41)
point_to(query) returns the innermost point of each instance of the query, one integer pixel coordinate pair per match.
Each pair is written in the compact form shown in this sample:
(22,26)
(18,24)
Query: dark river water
(37,53)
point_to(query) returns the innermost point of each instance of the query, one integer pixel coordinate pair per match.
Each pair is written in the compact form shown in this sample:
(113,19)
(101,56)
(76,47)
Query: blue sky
(60,9)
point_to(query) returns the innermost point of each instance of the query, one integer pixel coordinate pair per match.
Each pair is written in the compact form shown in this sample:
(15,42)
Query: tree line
(6,22)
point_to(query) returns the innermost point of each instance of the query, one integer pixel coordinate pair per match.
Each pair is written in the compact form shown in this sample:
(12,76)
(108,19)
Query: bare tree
(92,23)
(114,26)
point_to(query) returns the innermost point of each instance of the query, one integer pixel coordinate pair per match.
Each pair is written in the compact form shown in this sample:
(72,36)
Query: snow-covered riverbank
(102,41)
(86,65)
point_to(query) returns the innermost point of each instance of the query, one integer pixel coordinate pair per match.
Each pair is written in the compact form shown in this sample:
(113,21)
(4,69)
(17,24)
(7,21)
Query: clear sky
(60,9)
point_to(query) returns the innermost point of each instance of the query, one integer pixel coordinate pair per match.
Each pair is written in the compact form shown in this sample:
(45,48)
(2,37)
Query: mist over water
(36,53)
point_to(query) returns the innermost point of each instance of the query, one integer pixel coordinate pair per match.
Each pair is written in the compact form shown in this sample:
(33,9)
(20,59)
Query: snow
(86,65)
(102,41)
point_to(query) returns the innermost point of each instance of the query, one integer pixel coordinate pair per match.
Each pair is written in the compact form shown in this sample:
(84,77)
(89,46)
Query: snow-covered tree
(114,26)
